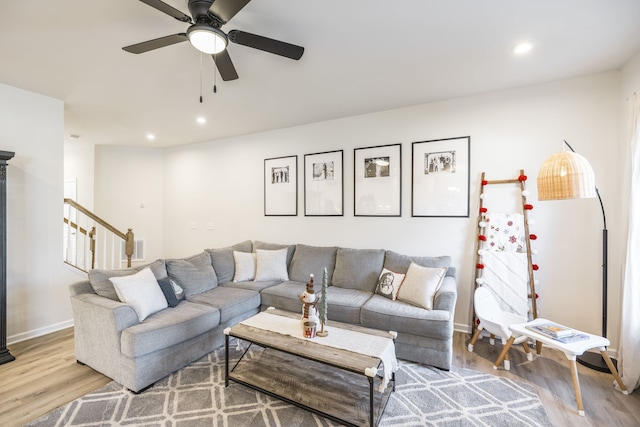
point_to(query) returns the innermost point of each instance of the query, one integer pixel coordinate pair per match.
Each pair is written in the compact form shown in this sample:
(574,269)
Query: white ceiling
(360,56)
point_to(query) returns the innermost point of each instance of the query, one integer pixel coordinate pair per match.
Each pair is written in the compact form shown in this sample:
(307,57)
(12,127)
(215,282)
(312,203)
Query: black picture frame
(281,186)
(324,184)
(440,177)
(377,181)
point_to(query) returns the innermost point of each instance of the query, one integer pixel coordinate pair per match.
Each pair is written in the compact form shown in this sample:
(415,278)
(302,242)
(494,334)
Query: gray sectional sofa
(110,338)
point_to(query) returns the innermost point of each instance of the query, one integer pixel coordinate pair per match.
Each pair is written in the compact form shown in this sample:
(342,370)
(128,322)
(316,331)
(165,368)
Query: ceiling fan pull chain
(200,77)
(215,75)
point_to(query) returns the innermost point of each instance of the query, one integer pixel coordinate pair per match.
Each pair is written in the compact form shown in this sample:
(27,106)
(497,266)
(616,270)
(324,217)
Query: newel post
(128,247)
(5,356)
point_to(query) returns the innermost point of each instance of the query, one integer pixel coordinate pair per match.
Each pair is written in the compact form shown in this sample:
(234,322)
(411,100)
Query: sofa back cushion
(312,260)
(223,262)
(99,279)
(194,274)
(358,268)
(400,263)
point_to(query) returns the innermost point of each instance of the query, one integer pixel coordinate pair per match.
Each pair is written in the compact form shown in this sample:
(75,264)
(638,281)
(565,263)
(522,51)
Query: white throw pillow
(141,291)
(389,284)
(271,264)
(420,285)
(245,263)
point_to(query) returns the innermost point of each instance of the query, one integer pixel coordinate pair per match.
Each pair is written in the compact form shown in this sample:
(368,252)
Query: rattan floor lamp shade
(568,175)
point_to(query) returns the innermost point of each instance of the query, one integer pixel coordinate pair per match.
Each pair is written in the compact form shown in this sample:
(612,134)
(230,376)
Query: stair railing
(91,242)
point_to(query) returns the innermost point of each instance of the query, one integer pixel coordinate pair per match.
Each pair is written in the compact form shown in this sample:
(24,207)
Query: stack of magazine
(559,333)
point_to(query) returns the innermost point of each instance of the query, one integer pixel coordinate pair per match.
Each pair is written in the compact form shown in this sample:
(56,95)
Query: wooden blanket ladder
(481,237)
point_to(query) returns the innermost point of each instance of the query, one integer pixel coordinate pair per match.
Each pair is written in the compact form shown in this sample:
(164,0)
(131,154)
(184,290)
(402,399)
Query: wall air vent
(138,250)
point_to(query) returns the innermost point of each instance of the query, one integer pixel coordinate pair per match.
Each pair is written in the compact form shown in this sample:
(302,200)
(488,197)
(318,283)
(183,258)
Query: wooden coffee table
(310,374)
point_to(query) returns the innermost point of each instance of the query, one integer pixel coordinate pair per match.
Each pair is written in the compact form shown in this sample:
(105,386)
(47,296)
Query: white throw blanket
(504,232)
(357,342)
(507,275)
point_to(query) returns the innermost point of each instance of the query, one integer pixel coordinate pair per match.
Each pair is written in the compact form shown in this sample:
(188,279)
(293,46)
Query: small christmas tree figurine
(323,305)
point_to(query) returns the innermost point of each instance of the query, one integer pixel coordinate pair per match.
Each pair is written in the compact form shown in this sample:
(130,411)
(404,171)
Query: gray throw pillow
(223,262)
(194,274)
(99,279)
(312,260)
(169,292)
(400,263)
(358,268)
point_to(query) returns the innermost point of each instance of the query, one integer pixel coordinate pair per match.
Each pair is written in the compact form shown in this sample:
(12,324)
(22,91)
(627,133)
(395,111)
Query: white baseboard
(13,339)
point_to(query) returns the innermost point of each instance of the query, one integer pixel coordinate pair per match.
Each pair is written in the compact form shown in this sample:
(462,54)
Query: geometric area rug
(196,396)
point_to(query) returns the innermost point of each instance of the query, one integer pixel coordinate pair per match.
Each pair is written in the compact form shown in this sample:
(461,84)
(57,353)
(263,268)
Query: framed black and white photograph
(377,181)
(323,184)
(281,186)
(440,178)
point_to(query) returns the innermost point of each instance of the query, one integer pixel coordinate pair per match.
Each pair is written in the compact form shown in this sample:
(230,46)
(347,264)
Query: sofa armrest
(101,312)
(98,324)
(445,298)
(79,288)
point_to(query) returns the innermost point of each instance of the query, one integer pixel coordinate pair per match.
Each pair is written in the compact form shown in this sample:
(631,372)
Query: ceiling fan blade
(156,43)
(266,44)
(225,66)
(169,10)
(227,9)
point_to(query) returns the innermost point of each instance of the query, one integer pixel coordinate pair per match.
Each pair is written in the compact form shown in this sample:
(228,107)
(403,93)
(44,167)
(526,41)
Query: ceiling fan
(204,33)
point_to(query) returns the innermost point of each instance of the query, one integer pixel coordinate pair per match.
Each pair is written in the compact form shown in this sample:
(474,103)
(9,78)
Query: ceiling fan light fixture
(207,39)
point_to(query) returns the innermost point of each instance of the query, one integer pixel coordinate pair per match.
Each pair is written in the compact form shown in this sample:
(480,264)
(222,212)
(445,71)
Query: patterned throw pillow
(389,284)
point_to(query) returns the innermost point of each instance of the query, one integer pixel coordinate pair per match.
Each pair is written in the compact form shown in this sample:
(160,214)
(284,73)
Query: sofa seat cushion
(231,302)
(382,313)
(284,296)
(344,305)
(251,285)
(168,327)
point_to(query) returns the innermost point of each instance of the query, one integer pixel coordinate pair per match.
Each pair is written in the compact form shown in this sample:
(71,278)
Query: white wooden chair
(496,321)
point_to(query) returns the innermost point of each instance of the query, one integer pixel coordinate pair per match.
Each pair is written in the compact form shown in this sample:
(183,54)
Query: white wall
(129,193)
(221,182)
(32,125)
(79,158)
(509,130)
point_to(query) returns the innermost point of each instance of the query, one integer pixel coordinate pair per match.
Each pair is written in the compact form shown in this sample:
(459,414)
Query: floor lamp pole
(589,359)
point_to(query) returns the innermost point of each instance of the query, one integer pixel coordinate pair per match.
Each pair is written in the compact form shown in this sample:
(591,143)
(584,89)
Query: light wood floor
(45,376)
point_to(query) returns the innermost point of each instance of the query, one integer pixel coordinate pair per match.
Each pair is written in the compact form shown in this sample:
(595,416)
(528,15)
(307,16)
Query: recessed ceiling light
(201,120)
(151,136)
(522,48)
(74,136)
